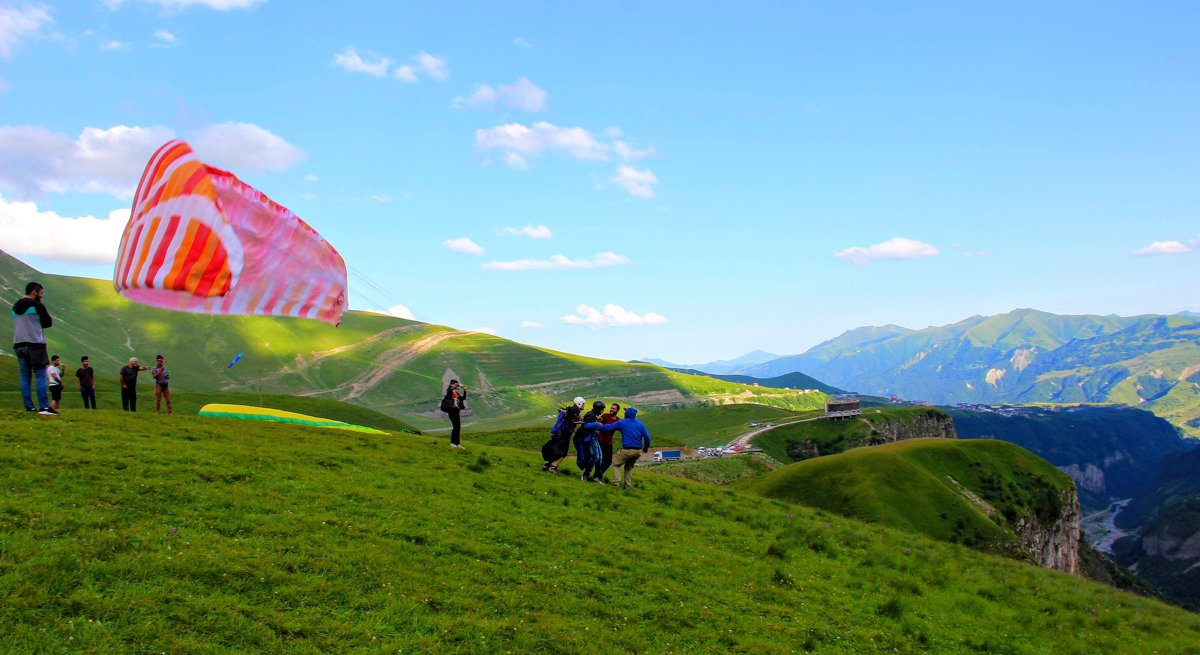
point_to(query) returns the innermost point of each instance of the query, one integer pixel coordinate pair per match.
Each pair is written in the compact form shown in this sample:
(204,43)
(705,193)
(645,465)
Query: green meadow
(124,533)
(918,485)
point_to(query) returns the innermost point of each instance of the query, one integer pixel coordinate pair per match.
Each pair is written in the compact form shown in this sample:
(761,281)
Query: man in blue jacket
(635,440)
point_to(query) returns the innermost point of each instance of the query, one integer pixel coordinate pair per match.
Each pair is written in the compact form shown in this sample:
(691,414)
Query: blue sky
(688,181)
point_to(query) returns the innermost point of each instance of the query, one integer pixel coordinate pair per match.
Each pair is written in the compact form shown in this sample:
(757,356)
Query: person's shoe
(583,478)
(545,467)
(600,480)
(553,469)
(31,409)
(46,411)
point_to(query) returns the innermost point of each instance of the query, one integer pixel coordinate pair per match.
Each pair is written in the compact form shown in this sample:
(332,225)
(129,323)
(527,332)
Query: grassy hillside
(786,381)
(391,365)
(807,439)
(1111,452)
(124,533)
(918,485)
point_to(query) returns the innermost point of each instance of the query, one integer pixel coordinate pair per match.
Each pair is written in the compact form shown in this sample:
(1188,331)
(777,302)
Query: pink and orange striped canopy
(201,240)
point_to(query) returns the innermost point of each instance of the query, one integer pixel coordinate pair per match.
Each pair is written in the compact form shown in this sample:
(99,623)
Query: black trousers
(89,397)
(456,426)
(129,399)
(605,461)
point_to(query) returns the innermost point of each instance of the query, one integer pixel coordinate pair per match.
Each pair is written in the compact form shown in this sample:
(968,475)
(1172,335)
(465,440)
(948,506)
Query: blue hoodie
(633,432)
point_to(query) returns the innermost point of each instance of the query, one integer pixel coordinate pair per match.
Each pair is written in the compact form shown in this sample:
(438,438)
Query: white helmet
(579,401)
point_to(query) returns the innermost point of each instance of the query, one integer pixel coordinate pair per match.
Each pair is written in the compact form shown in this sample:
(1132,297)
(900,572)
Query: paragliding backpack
(560,424)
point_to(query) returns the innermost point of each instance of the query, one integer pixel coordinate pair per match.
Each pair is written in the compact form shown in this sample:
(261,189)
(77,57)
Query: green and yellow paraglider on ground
(247,412)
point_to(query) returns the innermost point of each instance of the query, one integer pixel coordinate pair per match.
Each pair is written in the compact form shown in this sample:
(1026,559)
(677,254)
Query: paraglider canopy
(201,240)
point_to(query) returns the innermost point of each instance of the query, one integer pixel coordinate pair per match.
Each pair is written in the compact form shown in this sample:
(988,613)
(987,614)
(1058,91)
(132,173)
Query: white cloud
(164,36)
(381,198)
(464,246)
(639,184)
(4,85)
(539,232)
(531,324)
(400,311)
(1164,248)
(115,45)
(24,230)
(486,330)
(894,248)
(20,23)
(420,64)
(612,316)
(602,260)
(432,65)
(519,142)
(309,177)
(39,161)
(219,5)
(541,137)
(244,147)
(405,73)
(350,60)
(522,94)
(513,160)
(522,43)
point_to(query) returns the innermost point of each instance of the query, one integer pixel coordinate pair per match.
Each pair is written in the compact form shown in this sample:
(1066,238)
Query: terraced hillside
(395,366)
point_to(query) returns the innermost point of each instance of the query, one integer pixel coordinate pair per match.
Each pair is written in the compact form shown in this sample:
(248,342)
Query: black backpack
(447,403)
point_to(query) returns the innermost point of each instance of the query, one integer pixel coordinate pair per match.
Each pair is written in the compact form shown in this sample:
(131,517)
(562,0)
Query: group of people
(592,436)
(30,320)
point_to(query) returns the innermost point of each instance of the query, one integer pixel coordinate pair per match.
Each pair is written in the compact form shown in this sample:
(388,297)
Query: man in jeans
(30,318)
(635,440)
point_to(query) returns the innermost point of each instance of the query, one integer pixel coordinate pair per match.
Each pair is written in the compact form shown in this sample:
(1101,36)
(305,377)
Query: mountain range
(1024,356)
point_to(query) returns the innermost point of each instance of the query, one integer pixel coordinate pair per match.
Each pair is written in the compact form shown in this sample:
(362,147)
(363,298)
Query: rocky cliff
(1052,538)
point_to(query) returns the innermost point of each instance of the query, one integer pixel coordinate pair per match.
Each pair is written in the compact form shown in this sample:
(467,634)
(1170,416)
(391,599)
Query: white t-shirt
(53,375)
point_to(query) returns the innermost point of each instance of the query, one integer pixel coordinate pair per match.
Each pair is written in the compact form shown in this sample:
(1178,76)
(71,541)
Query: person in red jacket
(606,438)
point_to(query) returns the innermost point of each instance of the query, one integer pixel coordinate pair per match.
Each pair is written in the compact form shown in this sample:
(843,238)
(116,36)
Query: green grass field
(124,533)
(832,437)
(907,485)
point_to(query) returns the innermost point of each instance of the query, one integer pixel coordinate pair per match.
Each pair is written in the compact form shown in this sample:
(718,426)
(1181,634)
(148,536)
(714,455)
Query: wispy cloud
(601,260)
(522,43)
(381,197)
(531,324)
(639,184)
(219,5)
(539,232)
(419,65)
(487,330)
(19,23)
(541,137)
(26,230)
(464,246)
(1164,248)
(309,177)
(115,45)
(165,36)
(522,94)
(350,60)
(894,248)
(612,316)
(39,161)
